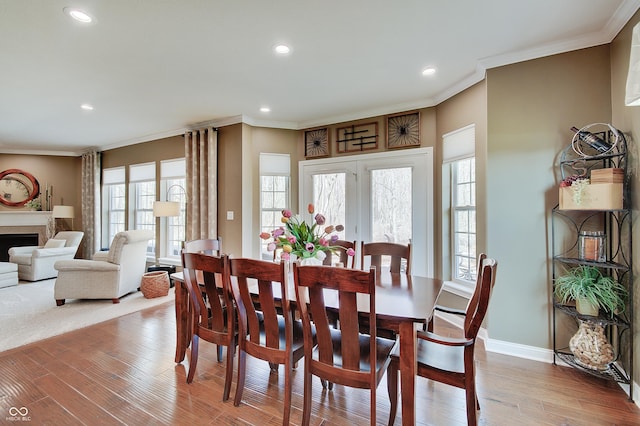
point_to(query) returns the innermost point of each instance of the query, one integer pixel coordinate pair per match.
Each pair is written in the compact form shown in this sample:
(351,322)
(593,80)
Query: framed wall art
(403,130)
(316,143)
(357,137)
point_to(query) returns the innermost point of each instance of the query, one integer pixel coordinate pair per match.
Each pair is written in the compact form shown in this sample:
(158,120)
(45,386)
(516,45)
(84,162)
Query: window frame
(457,145)
(273,166)
(139,175)
(471,254)
(112,178)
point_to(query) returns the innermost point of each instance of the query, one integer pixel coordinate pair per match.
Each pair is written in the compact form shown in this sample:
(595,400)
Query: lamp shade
(166,208)
(63,212)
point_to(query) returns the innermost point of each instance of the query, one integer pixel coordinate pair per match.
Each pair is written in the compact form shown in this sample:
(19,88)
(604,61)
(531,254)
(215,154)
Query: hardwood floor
(122,372)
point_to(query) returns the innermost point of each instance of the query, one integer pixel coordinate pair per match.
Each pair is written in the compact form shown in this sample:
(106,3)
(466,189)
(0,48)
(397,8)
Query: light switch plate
(230,215)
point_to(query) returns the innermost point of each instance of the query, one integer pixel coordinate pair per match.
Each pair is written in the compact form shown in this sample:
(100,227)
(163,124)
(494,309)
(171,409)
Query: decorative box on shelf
(595,196)
(610,175)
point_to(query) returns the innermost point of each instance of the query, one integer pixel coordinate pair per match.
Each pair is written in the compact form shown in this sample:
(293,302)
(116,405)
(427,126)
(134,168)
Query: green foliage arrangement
(588,283)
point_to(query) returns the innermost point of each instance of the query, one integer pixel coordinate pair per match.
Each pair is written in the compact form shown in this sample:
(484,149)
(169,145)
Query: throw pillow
(53,243)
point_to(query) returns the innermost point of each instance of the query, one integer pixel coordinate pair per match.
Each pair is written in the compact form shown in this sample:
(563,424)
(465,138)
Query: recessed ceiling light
(78,15)
(429,71)
(87,107)
(281,49)
(265,109)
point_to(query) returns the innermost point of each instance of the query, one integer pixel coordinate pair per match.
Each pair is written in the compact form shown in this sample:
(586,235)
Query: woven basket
(155,284)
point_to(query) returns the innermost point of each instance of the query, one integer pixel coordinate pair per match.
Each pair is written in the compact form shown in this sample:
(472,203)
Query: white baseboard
(532,353)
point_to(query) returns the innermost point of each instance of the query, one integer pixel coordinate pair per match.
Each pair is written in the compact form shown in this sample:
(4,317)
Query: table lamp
(63,212)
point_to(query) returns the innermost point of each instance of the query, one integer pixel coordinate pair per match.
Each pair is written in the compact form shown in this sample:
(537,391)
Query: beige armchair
(109,275)
(36,262)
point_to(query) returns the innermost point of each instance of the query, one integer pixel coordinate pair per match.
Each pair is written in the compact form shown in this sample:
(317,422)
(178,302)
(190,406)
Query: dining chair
(266,328)
(451,310)
(211,246)
(398,255)
(343,356)
(213,321)
(341,253)
(451,360)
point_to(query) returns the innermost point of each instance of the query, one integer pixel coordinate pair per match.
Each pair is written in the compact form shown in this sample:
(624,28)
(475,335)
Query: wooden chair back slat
(341,253)
(375,251)
(210,246)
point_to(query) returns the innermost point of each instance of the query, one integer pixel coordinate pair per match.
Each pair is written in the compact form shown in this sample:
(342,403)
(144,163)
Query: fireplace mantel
(25,222)
(24,218)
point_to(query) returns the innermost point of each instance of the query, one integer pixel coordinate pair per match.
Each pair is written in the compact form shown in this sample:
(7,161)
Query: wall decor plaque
(316,143)
(357,137)
(403,130)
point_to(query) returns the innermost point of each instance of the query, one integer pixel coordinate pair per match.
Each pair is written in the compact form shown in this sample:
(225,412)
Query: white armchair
(36,262)
(109,275)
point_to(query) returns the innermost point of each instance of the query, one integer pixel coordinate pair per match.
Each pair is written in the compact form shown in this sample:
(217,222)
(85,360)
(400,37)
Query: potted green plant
(589,287)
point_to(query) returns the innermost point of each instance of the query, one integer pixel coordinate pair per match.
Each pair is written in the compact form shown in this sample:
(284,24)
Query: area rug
(28,312)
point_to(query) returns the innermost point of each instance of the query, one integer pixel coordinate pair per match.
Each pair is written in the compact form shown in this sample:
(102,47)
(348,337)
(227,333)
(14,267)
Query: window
(114,196)
(464,219)
(172,188)
(459,195)
(142,187)
(274,194)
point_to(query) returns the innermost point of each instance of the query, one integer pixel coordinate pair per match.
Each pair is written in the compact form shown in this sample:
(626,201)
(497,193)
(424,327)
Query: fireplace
(14,240)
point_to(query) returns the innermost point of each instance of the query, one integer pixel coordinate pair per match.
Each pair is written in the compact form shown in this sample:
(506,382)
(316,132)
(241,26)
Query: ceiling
(153,68)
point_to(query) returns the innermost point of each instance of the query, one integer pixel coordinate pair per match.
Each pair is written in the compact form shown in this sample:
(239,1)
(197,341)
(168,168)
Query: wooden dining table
(403,302)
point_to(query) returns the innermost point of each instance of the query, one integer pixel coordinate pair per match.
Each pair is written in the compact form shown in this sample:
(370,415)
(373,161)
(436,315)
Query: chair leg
(392,390)
(219,353)
(193,362)
(287,394)
(472,404)
(242,363)
(306,406)
(229,373)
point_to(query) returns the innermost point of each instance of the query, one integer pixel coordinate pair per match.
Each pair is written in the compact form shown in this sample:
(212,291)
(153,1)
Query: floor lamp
(165,209)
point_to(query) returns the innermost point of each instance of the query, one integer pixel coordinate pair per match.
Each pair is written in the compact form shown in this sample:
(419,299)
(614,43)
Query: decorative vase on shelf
(590,346)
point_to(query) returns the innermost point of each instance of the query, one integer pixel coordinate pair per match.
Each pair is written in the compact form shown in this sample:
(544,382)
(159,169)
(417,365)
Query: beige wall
(230,188)
(531,107)
(62,173)
(627,119)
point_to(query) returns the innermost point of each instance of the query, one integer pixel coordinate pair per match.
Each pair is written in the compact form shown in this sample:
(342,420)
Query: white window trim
(457,145)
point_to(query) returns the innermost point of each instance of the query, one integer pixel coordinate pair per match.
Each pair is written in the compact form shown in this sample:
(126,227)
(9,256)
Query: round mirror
(17,187)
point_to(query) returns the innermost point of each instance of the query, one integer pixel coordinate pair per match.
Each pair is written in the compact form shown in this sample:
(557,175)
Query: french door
(377,197)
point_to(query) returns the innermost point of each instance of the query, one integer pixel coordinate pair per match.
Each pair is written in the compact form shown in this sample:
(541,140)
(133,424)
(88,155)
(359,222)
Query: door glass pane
(391,205)
(329,198)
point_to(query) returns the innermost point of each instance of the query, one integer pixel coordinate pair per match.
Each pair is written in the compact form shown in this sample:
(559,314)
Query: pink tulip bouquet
(302,239)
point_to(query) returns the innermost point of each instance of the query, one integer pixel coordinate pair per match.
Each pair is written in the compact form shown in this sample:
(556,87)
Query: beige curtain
(201,152)
(91,202)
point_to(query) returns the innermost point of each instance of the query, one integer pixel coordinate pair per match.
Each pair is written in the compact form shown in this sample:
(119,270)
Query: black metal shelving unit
(617,226)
